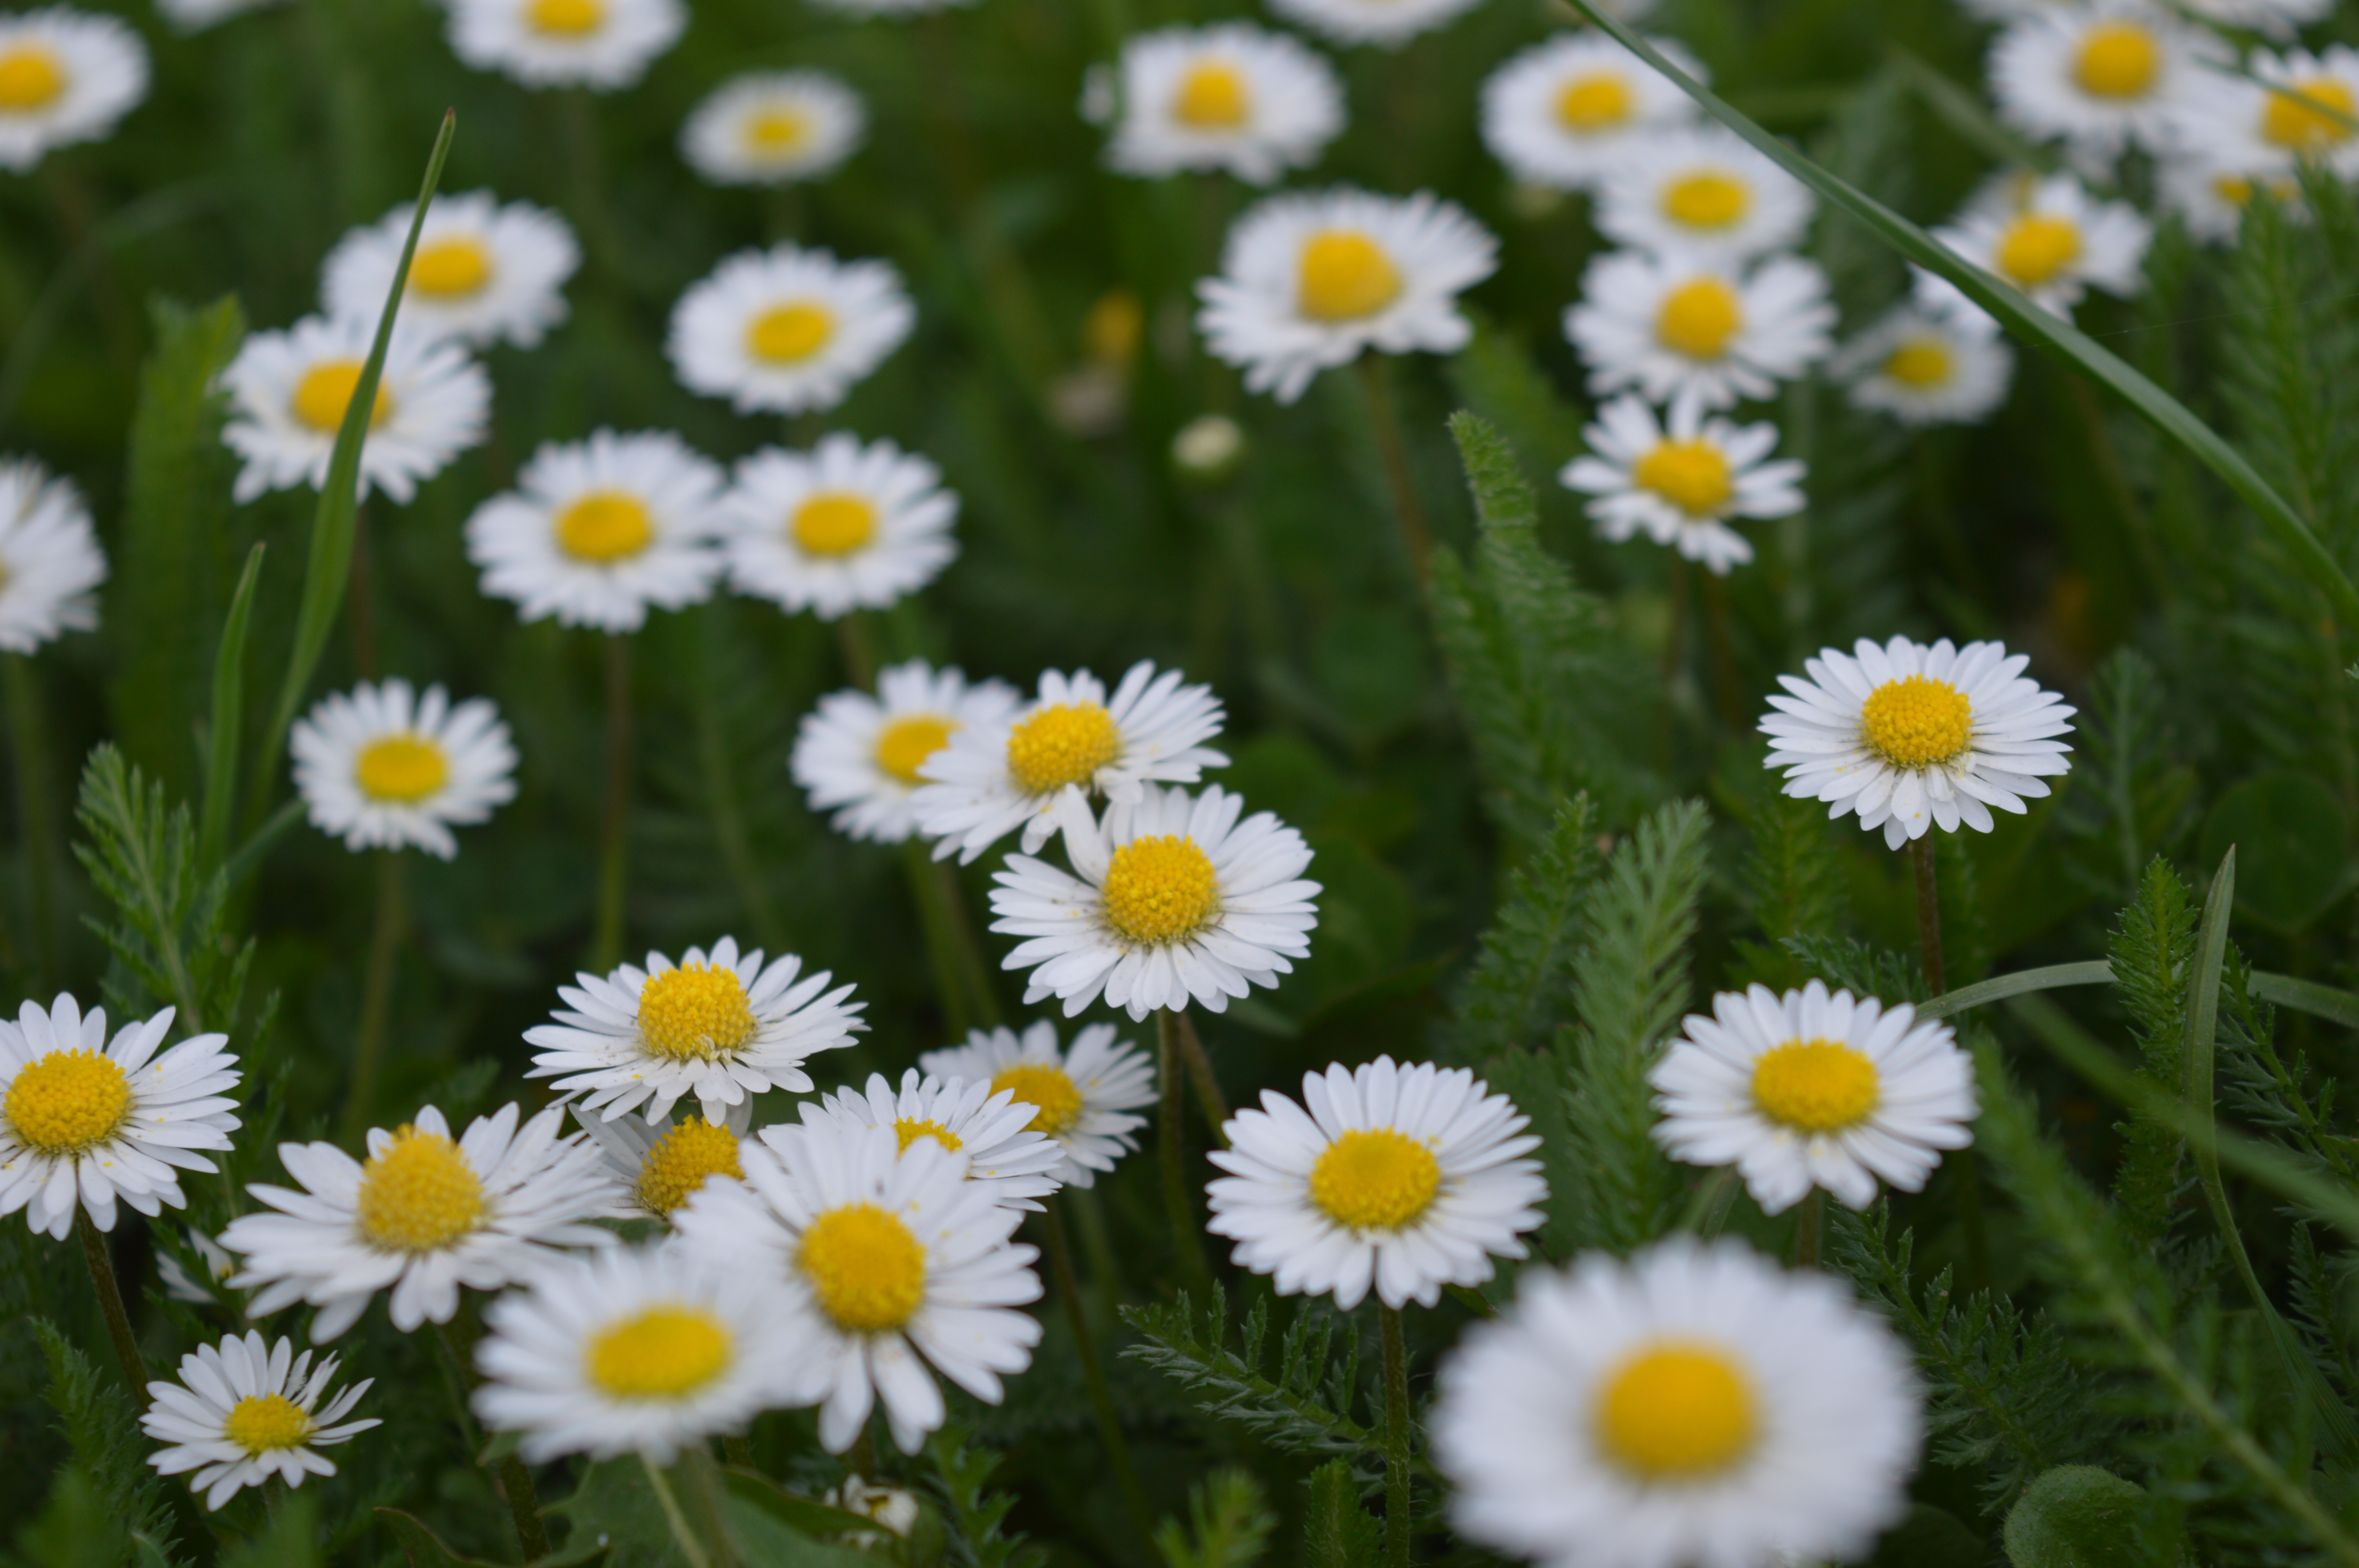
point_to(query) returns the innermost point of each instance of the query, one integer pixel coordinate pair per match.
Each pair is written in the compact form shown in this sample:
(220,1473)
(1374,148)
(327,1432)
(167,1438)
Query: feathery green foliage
(2152,951)
(1519,987)
(1305,1409)
(100,1425)
(1337,1533)
(1229,1524)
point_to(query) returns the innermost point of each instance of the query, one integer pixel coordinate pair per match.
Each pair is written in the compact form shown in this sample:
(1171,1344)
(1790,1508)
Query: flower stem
(1208,1087)
(29,743)
(1392,449)
(698,1462)
(1974,1272)
(689,1547)
(1398,1530)
(614,827)
(857,639)
(1126,1469)
(110,1303)
(1810,1229)
(361,593)
(376,996)
(1929,913)
(514,1481)
(959,974)
(1185,1239)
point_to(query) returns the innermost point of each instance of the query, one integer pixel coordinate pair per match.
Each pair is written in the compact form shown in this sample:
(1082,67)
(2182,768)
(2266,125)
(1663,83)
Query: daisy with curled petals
(1927,367)
(598,44)
(1695,1404)
(1310,280)
(1387,24)
(66,76)
(1568,108)
(2103,78)
(1175,900)
(715,1029)
(2050,239)
(422,1216)
(641,1350)
(1704,191)
(86,1121)
(1698,334)
(288,392)
(598,531)
(858,755)
(988,1124)
(1679,481)
(1811,1090)
(2294,109)
(49,558)
(483,273)
(1083,1099)
(384,768)
(1912,737)
(1228,96)
(774,128)
(787,330)
(1042,765)
(1399,1180)
(246,1411)
(878,1261)
(847,525)
(657,1165)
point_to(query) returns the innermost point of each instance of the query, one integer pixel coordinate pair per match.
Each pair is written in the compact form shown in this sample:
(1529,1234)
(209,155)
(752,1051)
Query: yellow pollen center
(419,1195)
(1160,889)
(834,525)
(1691,475)
(1677,1411)
(2036,248)
(31,78)
(2118,59)
(868,1269)
(697,1012)
(1374,1180)
(910,1130)
(566,18)
(1590,103)
(68,1101)
(779,130)
(262,1423)
(1814,1086)
(1064,744)
(680,1161)
(903,746)
(1699,316)
(1213,98)
(1048,1088)
(606,527)
(790,333)
(405,769)
(1706,199)
(662,1353)
(326,392)
(1921,362)
(2286,123)
(1915,722)
(450,269)
(1345,276)
(2234,188)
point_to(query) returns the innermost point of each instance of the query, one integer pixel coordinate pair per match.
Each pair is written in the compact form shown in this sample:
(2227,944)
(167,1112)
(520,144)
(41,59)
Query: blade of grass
(2280,991)
(228,717)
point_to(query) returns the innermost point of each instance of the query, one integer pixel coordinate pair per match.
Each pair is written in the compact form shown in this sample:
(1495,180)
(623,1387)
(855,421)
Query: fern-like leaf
(1520,989)
(103,1430)
(2150,952)
(1304,1408)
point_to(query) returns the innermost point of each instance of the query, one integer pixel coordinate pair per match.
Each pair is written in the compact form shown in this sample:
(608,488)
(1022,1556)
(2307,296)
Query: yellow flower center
(419,1195)
(2117,60)
(1213,98)
(1814,1086)
(1708,199)
(1691,475)
(1921,362)
(566,18)
(1345,276)
(697,1012)
(2036,248)
(903,746)
(1064,744)
(326,392)
(1676,1411)
(662,1353)
(606,527)
(1160,889)
(1699,316)
(2234,188)
(790,333)
(680,1161)
(261,1423)
(910,1130)
(2287,122)
(1915,722)
(834,525)
(1588,104)
(1048,1088)
(68,1101)
(1374,1180)
(451,268)
(405,769)
(31,78)
(777,130)
(868,1269)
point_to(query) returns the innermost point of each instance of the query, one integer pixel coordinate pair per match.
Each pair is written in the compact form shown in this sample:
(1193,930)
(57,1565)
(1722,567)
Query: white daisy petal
(1565,111)
(71,75)
(774,128)
(598,44)
(787,330)
(1229,96)
(249,1410)
(843,526)
(858,755)
(379,771)
(1703,192)
(49,558)
(1680,480)
(1084,1100)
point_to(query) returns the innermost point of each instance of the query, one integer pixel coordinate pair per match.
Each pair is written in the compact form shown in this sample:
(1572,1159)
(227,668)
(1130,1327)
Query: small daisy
(641,1350)
(212,1268)
(1703,191)
(1567,110)
(2054,242)
(2211,198)
(193,15)
(787,330)
(1913,737)
(2275,19)
(774,128)
(1082,1099)
(1694,334)
(1693,1405)
(2282,120)
(877,1262)
(659,1165)
(598,44)
(85,1119)
(1229,96)
(49,558)
(1310,280)
(858,755)
(597,531)
(714,1029)
(246,1411)
(1929,367)
(1387,24)
(483,273)
(383,768)
(984,1123)
(2103,77)
(1679,481)
(844,527)
(66,76)
(1399,1179)
(1036,768)
(895,1510)
(1176,899)
(288,392)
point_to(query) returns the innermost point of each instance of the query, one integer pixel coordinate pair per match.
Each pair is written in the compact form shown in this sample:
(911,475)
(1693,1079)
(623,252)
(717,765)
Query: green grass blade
(1998,987)
(228,717)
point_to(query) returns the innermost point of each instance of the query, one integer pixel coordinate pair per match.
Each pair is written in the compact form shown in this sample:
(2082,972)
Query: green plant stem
(1973,1272)
(1398,1527)
(1069,1288)
(1171,1134)
(1392,450)
(110,1303)
(37,834)
(1208,1087)
(391,923)
(362,591)
(858,641)
(728,817)
(1810,1229)
(580,112)
(615,826)
(689,1547)
(938,916)
(1724,679)
(706,1484)
(1928,910)
(515,1480)
(965,943)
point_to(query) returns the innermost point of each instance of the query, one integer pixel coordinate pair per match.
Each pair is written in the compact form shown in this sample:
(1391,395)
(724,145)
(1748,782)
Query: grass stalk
(390,925)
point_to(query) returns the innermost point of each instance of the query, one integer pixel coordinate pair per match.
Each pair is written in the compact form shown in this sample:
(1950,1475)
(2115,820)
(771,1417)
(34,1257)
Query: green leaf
(1337,1533)
(1929,1537)
(103,1431)
(961,1468)
(1304,1409)
(228,721)
(1229,1524)
(2154,952)
(290,1539)
(2077,1516)
(1520,989)
(2291,838)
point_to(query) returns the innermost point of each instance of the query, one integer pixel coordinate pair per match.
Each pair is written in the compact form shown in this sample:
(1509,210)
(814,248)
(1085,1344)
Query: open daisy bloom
(1913,737)
(774,128)
(1566,110)
(1694,334)
(2104,77)
(998,1133)
(1084,1100)
(846,525)
(598,44)
(2049,238)
(2211,189)
(1929,367)
(1811,1090)
(858,755)
(1229,96)
(385,768)
(1679,481)
(786,330)
(1388,24)
(246,1411)
(1398,1179)
(86,1121)
(484,272)
(2294,109)
(49,558)
(1171,899)
(1693,1405)
(66,76)
(1705,192)
(659,1164)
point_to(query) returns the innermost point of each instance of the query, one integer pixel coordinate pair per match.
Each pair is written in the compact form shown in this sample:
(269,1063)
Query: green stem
(1928,910)
(1811,1230)
(1069,1288)
(28,737)
(721,793)
(583,152)
(515,1480)
(1186,1241)
(376,997)
(1398,1528)
(614,827)
(1392,449)
(859,645)
(968,948)
(698,1462)
(689,1547)
(110,1303)
(1208,1087)
(934,919)
(361,592)
(1974,1239)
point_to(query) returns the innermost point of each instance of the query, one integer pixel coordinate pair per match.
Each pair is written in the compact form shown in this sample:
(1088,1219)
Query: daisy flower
(984,1123)
(858,755)
(1228,96)
(216,1265)
(66,76)
(2276,18)
(247,1410)
(1036,768)
(383,768)
(1696,333)
(483,273)
(2103,78)
(2272,124)
(658,1166)
(717,1029)
(193,15)
(1679,481)
(1703,191)
(1567,110)
(1175,900)
(87,1121)
(597,531)
(1311,279)
(288,392)
(2053,241)
(1387,24)
(1927,367)
(773,127)
(1083,1099)
(1912,737)
(1694,1404)
(787,330)
(844,527)
(877,1262)
(49,558)
(598,44)
(895,1510)
(2211,197)
(1399,1179)
(641,1350)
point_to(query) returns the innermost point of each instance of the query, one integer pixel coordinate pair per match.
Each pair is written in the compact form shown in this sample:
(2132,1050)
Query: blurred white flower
(847,525)
(773,127)
(384,768)
(1679,481)
(2049,238)
(1568,108)
(289,391)
(1388,24)
(1228,96)
(858,755)
(2103,77)
(786,330)
(598,44)
(49,558)
(483,273)
(66,76)
(1698,333)
(1703,191)
(1927,367)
